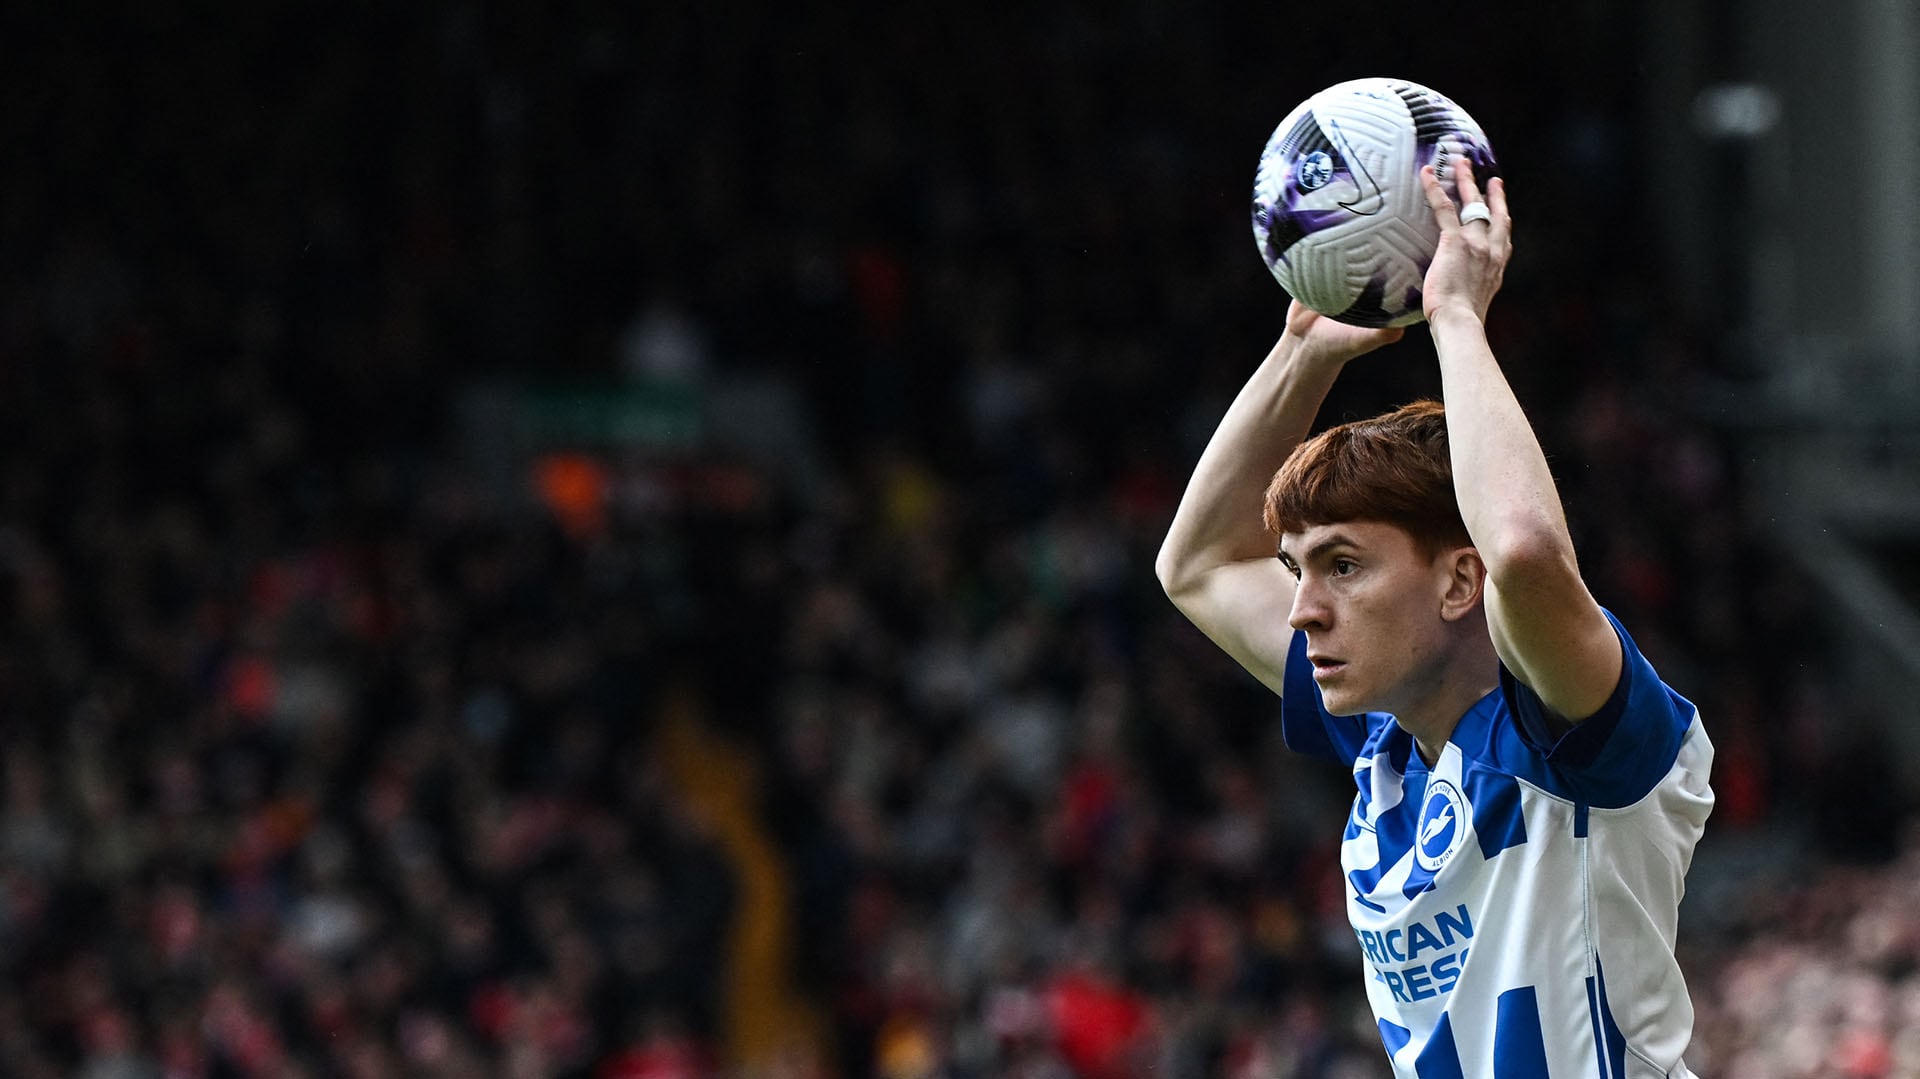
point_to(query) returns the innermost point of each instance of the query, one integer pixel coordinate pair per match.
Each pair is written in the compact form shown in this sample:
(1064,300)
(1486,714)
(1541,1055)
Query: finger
(1497,202)
(1463,179)
(1437,200)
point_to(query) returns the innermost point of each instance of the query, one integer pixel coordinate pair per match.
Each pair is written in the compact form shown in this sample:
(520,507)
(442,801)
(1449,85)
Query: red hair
(1392,468)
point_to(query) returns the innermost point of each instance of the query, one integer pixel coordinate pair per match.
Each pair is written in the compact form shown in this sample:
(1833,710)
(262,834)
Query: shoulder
(1613,759)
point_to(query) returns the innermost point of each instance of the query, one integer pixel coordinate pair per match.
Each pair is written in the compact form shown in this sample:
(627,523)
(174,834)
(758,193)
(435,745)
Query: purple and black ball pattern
(1337,208)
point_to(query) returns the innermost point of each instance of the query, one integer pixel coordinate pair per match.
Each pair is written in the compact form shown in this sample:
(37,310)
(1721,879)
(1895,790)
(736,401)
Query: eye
(1344,566)
(1291,568)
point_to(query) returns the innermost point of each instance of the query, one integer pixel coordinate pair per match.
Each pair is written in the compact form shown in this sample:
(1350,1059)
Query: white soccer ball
(1337,207)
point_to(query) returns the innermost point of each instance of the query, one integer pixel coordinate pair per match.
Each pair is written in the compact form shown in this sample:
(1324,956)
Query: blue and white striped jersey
(1516,902)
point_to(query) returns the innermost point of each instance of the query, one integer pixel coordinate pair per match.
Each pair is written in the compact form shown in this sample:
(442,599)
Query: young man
(1529,791)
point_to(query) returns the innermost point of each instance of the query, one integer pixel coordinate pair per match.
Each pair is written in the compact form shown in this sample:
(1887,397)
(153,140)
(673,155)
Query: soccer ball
(1337,207)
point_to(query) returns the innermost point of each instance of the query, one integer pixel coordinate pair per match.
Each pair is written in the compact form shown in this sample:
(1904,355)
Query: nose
(1309,609)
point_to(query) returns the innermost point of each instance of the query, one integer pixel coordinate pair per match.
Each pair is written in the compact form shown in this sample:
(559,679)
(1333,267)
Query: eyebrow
(1338,539)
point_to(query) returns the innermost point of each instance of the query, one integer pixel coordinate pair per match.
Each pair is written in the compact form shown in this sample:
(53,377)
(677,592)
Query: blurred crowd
(1819,974)
(339,733)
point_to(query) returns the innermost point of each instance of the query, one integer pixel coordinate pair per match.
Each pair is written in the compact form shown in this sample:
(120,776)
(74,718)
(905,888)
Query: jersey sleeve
(1619,754)
(1305,722)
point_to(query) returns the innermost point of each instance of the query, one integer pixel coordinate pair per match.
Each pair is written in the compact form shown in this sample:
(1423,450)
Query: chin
(1344,703)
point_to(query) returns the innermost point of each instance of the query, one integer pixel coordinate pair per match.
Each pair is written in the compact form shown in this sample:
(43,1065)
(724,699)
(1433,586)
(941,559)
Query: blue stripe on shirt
(1519,1049)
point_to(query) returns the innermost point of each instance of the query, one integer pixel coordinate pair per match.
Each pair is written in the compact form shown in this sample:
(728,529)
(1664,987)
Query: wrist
(1312,355)
(1456,316)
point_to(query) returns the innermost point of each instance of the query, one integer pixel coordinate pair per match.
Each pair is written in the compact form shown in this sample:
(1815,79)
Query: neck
(1457,686)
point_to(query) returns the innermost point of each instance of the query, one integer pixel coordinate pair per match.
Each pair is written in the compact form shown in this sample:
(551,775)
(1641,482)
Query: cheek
(1398,623)
(1385,607)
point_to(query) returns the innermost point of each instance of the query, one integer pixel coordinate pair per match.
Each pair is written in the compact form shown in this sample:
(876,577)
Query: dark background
(615,540)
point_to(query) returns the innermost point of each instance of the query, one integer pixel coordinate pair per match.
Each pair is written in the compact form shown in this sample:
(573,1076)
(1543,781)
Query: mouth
(1325,667)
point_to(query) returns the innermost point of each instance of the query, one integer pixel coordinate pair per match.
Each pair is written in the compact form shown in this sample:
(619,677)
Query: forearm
(1219,520)
(1505,490)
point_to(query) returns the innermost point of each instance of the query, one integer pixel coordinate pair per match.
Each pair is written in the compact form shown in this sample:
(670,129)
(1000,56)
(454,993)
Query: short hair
(1393,468)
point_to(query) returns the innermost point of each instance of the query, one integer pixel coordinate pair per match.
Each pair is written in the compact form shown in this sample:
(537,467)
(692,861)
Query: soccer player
(1529,791)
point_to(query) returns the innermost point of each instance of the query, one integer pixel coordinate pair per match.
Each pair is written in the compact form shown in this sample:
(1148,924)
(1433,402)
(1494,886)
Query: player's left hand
(1471,260)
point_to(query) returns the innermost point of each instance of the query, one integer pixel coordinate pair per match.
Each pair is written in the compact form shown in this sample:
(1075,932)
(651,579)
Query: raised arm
(1546,626)
(1218,563)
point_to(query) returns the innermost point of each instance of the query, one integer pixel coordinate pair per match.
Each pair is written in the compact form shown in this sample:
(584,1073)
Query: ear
(1463,579)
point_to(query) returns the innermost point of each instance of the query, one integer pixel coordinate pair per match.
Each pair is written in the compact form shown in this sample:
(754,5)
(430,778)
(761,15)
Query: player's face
(1369,600)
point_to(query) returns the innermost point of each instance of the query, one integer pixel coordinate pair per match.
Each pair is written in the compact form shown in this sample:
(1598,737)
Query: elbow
(1175,573)
(1166,567)
(1529,550)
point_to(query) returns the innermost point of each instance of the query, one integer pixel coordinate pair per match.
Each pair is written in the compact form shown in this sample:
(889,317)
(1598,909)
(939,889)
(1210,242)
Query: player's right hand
(1329,341)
